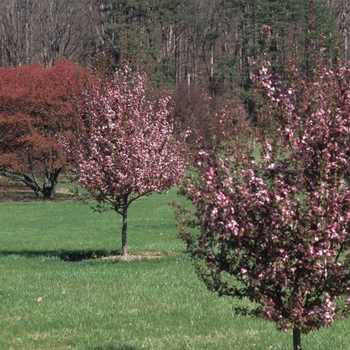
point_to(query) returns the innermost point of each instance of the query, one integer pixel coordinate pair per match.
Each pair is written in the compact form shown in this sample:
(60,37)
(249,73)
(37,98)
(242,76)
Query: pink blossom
(124,148)
(277,227)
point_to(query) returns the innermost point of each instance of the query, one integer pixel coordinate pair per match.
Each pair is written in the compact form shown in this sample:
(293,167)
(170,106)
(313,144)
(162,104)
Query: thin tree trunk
(296,339)
(125,225)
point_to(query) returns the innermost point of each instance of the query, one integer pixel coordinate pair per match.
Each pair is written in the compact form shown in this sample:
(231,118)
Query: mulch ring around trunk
(135,256)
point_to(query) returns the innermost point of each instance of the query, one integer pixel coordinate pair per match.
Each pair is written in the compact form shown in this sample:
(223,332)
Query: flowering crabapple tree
(276,228)
(124,146)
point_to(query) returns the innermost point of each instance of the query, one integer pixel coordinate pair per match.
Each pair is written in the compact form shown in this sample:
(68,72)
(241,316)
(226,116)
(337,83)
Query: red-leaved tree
(124,147)
(276,228)
(36,103)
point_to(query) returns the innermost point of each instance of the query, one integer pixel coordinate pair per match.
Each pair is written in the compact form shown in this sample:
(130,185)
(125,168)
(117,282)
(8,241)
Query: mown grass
(50,302)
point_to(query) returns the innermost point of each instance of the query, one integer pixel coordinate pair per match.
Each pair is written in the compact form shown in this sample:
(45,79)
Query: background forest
(211,43)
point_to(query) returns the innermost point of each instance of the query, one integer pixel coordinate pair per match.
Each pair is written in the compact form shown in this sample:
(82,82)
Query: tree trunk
(296,339)
(125,225)
(50,183)
(48,190)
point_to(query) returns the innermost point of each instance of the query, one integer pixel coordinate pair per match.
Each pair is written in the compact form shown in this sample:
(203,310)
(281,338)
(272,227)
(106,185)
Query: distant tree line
(210,43)
(46,30)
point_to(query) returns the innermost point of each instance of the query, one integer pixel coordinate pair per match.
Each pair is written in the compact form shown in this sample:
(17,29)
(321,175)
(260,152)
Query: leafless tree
(46,30)
(342,11)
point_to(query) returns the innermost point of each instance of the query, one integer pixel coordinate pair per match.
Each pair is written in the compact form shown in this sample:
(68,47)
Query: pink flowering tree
(124,147)
(275,228)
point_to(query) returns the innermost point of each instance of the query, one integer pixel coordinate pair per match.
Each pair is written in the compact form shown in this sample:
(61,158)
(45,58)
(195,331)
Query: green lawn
(51,299)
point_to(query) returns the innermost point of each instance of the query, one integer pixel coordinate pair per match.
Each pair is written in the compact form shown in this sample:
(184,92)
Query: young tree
(35,104)
(124,147)
(275,228)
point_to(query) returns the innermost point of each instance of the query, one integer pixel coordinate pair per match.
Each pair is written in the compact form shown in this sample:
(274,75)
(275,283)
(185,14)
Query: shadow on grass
(125,347)
(65,255)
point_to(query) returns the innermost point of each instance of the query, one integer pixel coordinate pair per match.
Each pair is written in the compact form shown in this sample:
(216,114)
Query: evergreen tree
(216,42)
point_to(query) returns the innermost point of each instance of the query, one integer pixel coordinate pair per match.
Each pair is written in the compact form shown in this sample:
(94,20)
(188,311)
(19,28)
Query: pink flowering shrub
(276,228)
(124,147)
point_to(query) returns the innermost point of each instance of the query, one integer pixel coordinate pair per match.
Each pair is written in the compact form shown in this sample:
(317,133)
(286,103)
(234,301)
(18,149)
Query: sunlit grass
(47,302)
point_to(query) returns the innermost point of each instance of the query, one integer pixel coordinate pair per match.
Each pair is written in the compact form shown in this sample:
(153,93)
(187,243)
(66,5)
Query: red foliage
(36,104)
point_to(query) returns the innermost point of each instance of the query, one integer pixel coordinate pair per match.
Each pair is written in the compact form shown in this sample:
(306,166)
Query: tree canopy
(123,147)
(36,103)
(274,228)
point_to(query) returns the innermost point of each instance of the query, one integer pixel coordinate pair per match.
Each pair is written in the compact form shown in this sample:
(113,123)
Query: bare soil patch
(12,193)
(17,193)
(137,256)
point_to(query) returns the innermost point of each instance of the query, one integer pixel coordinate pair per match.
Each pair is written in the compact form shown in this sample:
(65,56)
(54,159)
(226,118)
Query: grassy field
(53,295)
